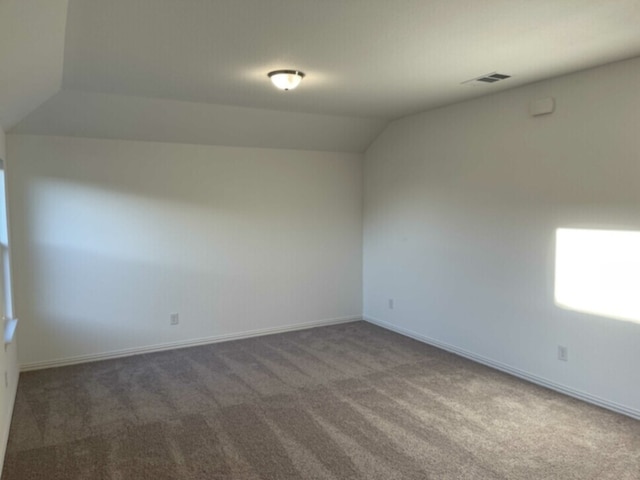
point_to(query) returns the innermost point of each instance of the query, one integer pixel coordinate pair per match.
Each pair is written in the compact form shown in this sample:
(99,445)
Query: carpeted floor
(350,401)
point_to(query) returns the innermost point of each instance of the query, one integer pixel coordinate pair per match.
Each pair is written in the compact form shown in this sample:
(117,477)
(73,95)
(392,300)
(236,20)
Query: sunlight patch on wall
(598,272)
(87,219)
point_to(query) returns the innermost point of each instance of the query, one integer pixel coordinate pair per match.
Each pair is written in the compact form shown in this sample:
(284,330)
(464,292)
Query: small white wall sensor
(542,106)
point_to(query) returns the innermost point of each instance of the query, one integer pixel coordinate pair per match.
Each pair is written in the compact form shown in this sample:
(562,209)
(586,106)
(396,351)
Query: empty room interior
(303,239)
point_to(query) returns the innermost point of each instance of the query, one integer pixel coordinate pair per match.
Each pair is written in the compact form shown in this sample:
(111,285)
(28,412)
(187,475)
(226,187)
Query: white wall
(111,236)
(461,208)
(8,365)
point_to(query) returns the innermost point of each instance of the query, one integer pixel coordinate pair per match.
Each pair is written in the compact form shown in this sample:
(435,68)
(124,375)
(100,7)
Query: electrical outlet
(174,319)
(563,353)
(391,304)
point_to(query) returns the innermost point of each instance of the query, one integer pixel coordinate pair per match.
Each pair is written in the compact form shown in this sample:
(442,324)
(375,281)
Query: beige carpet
(351,401)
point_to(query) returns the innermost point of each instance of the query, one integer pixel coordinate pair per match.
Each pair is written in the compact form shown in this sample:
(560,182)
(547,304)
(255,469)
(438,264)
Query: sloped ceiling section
(82,114)
(32,36)
(102,35)
(195,71)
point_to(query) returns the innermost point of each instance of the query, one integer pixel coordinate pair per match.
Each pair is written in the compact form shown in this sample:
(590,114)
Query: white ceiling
(367,60)
(81,114)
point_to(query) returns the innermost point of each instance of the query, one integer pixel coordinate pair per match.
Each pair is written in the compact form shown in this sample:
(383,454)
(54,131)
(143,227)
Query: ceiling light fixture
(286,79)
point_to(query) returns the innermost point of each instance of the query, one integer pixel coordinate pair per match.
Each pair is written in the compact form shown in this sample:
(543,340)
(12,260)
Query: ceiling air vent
(487,79)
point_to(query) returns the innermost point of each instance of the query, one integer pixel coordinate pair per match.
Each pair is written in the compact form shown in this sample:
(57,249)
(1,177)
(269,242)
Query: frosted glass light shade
(286,79)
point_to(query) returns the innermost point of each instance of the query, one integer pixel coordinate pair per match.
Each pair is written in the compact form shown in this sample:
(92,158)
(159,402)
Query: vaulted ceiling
(194,71)
(31,55)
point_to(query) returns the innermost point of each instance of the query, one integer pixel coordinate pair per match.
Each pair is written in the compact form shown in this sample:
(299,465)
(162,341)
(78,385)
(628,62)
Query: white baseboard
(127,352)
(601,402)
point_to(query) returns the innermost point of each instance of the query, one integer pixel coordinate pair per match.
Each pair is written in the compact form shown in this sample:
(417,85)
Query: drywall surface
(32,36)
(461,210)
(72,113)
(8,389)
(112,237)
(8,367)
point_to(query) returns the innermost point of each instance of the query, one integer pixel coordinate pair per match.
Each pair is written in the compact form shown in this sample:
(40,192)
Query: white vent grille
(486,79)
